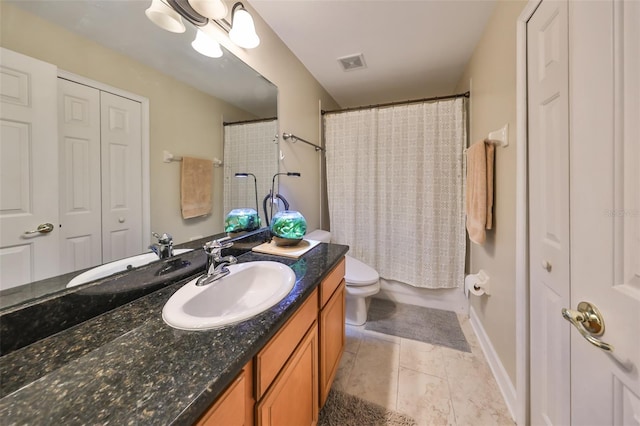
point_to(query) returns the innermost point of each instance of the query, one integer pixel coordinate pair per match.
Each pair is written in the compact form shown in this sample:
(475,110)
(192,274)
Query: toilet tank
(319,235)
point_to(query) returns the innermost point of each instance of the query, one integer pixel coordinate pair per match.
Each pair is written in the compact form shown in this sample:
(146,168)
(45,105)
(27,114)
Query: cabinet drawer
(275,354)
(331,282)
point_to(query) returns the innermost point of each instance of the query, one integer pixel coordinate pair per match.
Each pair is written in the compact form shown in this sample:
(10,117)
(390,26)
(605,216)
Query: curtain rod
(257,120)
(414,101)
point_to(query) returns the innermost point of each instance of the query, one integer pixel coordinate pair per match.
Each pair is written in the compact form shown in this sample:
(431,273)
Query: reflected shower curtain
(395,185)
(249,148)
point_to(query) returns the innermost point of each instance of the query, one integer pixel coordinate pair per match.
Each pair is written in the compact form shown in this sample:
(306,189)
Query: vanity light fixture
(168,15)
(206,46)
(161,14)
(255,184)
(243,30)
(212,9)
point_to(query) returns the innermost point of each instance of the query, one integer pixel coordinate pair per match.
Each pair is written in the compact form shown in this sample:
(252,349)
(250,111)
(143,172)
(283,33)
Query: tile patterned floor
(433,384)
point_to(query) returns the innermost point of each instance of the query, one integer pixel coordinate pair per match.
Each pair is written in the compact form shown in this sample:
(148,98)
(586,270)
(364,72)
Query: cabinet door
(235,406)
(273,357)
(293,398)
(332,339)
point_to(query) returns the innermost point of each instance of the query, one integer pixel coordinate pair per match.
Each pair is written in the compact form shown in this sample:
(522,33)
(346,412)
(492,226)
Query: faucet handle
(215,246)
(164,238)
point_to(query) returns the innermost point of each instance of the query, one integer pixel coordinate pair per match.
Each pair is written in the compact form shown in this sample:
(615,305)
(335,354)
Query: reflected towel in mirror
(195,187)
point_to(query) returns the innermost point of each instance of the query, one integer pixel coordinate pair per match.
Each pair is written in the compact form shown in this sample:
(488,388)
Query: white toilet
(362,282)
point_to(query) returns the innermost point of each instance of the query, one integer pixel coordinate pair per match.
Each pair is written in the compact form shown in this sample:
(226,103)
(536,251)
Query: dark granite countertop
(127,366)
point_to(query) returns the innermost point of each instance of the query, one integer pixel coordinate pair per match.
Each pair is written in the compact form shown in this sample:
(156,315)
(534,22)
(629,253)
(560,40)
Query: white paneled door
(28,170)
(605,209)
(121,132)
(583,77)
(80,187)
(101,176)
(548,106)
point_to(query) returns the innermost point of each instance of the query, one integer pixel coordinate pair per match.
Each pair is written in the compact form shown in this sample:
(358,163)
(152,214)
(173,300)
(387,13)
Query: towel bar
(500,137)
(168,157)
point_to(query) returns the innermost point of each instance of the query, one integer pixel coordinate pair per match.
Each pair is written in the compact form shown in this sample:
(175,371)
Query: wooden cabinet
(271,359)
(235,406)
(287,371)
(294,371)
(332,340)
(331,282)
(293,398)
(332,328)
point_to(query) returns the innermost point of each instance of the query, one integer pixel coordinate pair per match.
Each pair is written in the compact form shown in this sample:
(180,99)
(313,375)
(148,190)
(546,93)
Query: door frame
(146,177)
(522,223)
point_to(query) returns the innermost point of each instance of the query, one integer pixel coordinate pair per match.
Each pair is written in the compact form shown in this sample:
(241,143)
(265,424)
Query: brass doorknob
(589,322)
(43,228)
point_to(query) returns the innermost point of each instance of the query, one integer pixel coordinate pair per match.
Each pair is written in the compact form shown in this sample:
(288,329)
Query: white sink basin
(249,289)
(118,266)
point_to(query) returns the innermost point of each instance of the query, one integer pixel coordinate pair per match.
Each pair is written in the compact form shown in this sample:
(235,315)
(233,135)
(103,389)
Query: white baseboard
(507,388)
(448,299)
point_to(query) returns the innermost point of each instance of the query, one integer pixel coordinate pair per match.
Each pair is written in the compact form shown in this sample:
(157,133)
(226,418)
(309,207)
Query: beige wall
(186,121)
(491,77)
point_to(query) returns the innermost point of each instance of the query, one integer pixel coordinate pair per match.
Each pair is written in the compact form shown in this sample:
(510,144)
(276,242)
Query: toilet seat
(363,291)
(359,273)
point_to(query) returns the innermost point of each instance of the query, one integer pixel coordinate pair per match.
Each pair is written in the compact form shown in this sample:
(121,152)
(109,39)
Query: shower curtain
(395,186)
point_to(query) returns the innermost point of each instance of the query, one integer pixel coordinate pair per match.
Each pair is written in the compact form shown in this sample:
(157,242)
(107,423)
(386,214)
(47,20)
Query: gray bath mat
(342,409)
(433,326)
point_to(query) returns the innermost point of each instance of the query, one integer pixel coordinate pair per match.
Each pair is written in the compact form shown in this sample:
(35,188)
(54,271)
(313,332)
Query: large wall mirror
(197,107)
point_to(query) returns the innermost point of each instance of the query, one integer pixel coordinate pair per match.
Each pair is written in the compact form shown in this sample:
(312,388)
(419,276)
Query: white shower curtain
(249,148)
(396,189)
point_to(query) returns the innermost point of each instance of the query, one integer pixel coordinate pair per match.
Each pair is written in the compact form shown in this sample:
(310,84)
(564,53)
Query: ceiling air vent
(352,62)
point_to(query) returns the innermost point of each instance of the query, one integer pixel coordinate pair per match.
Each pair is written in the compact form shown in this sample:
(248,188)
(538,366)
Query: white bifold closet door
(101,177)
(549,239)
(80,199)
(121,134)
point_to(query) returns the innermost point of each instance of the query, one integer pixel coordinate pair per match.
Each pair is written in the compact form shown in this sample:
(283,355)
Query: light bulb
(164,16)
(214,9)
(206,46)
(243,31)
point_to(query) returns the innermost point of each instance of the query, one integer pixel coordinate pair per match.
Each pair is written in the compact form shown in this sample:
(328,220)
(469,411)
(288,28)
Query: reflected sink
(118,266)
(249,289)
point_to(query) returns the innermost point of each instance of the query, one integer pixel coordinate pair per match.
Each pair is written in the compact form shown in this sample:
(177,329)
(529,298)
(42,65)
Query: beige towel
(195,187)
(479,190)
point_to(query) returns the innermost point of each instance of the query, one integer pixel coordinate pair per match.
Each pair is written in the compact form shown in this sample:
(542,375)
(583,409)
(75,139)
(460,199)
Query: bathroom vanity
(298,364)
(127,366)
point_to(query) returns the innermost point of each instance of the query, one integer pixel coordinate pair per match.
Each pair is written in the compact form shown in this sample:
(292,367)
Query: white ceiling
(412,49)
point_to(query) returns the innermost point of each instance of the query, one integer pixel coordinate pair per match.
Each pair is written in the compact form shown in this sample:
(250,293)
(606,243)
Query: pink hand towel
(195,187)
(479,205)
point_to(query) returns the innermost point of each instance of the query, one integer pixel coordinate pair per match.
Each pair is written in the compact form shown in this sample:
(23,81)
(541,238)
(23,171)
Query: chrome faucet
(164,247)
(216,264)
